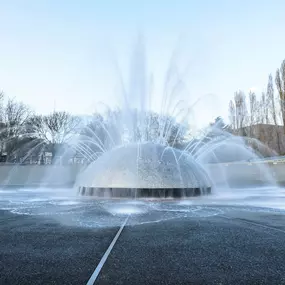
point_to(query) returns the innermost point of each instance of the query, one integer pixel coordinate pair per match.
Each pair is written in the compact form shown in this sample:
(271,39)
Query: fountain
(144,170)
(139,157)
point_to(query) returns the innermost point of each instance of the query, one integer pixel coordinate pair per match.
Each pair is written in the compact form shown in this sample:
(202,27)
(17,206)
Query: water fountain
(144,170)
(140,158)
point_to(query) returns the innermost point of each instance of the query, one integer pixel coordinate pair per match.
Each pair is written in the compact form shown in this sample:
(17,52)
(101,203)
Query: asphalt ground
(231,247)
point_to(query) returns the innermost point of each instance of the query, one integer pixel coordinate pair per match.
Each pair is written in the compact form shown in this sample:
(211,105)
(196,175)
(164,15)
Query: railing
(276,159)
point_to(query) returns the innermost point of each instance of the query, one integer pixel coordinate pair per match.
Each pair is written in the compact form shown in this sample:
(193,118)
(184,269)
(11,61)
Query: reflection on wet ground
(69,209)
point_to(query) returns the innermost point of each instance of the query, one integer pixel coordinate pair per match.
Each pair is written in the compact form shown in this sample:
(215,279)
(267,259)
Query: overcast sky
(61,53)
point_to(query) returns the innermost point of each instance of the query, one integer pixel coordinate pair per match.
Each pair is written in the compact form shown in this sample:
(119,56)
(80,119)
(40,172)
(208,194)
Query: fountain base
(143,192)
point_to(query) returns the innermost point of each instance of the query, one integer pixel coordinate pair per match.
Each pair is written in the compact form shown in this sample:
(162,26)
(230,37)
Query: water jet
(144,170)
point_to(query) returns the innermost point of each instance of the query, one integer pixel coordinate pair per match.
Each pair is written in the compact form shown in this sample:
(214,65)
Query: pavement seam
(255,224)
(100,265)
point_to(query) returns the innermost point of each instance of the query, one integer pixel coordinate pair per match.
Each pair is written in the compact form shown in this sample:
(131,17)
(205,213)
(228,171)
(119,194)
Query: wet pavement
(60,239)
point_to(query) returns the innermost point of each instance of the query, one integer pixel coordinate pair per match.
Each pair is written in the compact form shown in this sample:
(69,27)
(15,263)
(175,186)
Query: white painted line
(105,256)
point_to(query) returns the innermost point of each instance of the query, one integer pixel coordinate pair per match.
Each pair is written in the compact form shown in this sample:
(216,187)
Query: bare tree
(273,111)
(265,107)
(271,100)
(54,128)
(14,117)
(280,83)
(238,113)
(1,106)
(52,131)
(232,117)
(2,123)
(253,112)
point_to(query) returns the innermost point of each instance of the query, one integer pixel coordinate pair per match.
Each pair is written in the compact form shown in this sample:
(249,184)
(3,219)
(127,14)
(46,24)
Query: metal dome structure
(144,170)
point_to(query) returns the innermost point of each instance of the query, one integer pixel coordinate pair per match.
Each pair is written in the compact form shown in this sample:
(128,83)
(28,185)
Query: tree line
(24,134)
(261,117)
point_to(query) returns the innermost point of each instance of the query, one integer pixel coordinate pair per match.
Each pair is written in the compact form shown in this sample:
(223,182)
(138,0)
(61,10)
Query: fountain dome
(144,170)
